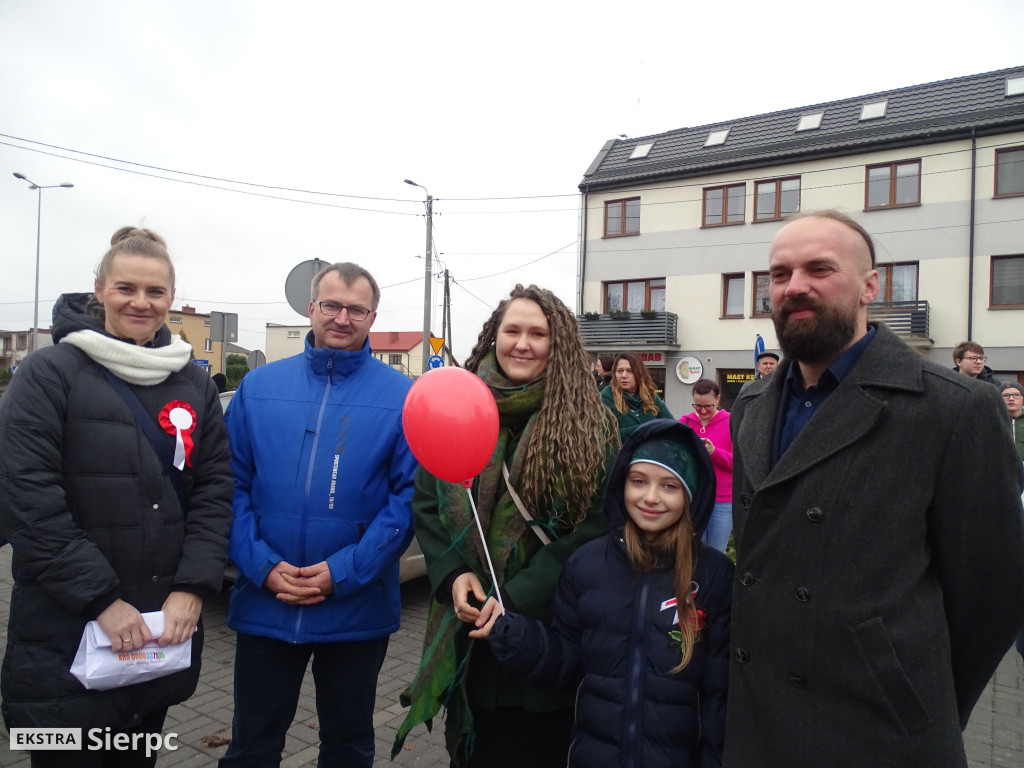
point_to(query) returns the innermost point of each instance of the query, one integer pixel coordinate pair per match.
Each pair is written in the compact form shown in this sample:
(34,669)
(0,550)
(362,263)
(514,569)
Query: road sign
(202,363)
(435,361)
(255,359)
(436,344)
(297,284)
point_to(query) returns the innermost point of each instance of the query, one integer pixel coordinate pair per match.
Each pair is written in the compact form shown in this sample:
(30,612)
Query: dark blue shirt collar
(836,372)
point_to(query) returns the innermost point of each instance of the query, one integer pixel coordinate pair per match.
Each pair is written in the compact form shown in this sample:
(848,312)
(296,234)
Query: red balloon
(450,421)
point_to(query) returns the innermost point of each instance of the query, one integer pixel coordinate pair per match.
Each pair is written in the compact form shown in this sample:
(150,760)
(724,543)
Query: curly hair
(644,384)
(573,426)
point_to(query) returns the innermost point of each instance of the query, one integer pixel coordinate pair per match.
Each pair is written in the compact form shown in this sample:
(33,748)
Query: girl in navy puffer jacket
(641,616)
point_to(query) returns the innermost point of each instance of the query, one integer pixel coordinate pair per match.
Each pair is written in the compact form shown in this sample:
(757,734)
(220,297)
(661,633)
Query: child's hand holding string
(488,615)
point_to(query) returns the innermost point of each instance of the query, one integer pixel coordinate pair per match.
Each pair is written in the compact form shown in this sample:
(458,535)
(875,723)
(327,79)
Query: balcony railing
(629,328)
(907,319)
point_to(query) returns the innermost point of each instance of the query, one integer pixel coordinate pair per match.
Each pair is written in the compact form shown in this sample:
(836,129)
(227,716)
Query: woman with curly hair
(631,397)
(555,445)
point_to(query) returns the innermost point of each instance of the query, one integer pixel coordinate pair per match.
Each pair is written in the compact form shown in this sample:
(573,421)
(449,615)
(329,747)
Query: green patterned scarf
(440,681)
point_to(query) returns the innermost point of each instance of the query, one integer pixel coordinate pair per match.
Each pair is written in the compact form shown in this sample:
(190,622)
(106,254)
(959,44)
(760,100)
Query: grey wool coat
(880,567)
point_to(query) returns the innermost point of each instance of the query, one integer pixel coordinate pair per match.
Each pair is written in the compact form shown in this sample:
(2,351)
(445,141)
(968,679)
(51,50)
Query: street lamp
(426,275)
(39,224)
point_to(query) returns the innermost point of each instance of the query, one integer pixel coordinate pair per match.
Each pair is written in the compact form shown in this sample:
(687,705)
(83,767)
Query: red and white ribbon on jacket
(178,419)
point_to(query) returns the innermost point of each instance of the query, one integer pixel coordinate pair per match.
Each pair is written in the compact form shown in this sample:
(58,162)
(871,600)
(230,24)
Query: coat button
(747,579)
(156,506)
(745,501)
(742,656)
(803,594)
(798,680)
(814,514)
(155,578)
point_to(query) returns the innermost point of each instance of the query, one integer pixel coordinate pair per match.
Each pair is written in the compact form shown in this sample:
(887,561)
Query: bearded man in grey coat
(879,530)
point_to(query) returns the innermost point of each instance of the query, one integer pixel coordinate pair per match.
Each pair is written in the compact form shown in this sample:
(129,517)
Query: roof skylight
(1015,86)
(810,122)
(873,110)
(641,150)
(716,137)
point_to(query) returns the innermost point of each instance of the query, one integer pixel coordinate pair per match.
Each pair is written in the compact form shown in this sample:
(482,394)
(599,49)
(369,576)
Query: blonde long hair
(567,448)
(679,542)
(644,384)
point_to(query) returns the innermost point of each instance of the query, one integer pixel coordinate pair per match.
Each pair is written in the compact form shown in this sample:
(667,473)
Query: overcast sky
(497,109)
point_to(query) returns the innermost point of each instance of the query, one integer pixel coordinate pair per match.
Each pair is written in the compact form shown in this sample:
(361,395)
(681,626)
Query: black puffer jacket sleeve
(208,521)
(52,550)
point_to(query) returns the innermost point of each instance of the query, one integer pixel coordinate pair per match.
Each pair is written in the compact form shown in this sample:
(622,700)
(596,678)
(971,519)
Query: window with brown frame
(897,282)
(1010,172)
(635,295)
(1006,283)
(893,185)
(724,205)
(732,295)
(622,217)
(776,198)
(762,300)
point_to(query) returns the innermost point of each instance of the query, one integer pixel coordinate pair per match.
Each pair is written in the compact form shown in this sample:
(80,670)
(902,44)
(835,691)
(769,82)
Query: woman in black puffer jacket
(95,521)
(651,669)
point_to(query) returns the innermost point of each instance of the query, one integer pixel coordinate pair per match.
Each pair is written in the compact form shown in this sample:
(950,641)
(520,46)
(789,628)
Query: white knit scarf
(144,366)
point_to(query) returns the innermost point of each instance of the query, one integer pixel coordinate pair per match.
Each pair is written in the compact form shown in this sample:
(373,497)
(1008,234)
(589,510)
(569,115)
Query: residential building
(15,345)
(194,327)
(677,225)
(402,350)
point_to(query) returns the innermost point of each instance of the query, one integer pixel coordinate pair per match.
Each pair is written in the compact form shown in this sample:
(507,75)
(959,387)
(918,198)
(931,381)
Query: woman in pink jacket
(712,425)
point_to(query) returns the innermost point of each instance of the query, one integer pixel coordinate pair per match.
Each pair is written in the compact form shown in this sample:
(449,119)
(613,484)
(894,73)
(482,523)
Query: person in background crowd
(323,485)
(766,363)
(106,524)
(603,370)
(878,526)
(969,359)
(1013,396)
(556,442)
(712,425)
(651,572)
(632,397)
(221,381)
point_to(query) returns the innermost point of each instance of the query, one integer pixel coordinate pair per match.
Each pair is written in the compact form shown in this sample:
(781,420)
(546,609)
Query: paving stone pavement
(994,738)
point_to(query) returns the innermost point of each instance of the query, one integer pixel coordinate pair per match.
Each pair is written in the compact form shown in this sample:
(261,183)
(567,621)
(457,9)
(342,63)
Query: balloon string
(487,553)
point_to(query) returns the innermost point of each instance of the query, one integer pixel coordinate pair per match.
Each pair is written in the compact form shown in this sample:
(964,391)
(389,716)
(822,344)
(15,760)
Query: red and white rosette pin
(178,419)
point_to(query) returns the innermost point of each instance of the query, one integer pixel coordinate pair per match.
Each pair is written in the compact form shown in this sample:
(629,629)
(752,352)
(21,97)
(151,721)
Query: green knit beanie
(671,455)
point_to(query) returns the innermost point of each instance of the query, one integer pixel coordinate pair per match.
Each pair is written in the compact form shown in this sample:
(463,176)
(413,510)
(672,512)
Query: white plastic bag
(98,668)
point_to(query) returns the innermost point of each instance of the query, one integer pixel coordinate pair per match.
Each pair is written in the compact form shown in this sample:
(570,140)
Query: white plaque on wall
(689,370)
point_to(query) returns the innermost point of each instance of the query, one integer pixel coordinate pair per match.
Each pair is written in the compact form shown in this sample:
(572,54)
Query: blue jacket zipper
(309,477)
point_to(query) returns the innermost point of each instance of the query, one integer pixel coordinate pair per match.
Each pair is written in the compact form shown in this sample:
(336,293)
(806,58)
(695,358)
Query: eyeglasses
(703,407)
(976,359)
(1011,395)
(333,309)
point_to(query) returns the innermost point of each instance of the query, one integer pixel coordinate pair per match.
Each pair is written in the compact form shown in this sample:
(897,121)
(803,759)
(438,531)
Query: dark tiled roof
(935,111)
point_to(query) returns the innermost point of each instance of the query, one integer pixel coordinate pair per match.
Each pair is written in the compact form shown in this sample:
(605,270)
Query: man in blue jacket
(323,484)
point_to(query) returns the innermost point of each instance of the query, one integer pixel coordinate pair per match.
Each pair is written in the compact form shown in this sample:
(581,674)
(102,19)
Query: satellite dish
(296,286)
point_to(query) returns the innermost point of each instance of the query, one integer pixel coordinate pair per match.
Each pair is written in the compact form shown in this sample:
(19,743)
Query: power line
(513,269)
(211,186)
(202,176)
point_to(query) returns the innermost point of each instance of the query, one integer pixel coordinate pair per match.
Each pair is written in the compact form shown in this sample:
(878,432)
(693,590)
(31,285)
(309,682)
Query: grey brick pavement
(994,737)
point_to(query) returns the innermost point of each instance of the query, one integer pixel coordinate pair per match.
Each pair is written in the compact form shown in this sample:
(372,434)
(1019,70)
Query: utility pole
(428,249)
